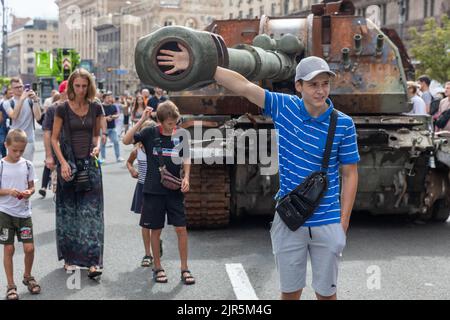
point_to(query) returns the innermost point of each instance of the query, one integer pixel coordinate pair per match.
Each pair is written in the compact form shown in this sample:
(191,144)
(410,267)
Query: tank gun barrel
(207,51)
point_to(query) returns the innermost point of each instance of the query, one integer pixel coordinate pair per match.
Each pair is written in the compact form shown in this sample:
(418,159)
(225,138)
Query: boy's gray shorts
(324,244)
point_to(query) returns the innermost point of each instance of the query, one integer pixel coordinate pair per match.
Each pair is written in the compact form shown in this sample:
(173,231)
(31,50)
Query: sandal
(32,285)
(161,278)
(69,268)
(94,272)
(147,261)
(11,293)
(188,279)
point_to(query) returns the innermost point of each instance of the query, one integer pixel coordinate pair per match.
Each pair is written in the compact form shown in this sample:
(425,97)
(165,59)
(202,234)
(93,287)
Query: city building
(34,35)
(118,33)
(250,9)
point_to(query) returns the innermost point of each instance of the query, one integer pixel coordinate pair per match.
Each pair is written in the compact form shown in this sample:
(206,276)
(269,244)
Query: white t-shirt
(419,107)
(16,176)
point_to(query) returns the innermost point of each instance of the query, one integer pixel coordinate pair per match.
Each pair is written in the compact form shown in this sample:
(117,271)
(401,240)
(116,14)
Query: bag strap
(330,138)
(1,172)
(66,124)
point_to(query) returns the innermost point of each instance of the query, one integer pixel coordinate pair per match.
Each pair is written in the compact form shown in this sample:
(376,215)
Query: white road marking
(239,280)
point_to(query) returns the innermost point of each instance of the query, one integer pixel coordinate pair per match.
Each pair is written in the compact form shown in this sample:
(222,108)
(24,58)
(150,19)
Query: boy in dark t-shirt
(173,146)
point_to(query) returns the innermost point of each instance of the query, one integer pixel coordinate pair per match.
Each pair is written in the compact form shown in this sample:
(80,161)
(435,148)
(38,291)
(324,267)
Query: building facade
(77,19)
(250,9)
(118,33)
(35,35)
(402,15)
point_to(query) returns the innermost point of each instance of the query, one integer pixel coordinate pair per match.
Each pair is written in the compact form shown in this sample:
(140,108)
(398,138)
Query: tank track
(208,201)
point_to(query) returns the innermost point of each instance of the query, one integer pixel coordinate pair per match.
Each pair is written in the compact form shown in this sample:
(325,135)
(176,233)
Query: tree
(431,47)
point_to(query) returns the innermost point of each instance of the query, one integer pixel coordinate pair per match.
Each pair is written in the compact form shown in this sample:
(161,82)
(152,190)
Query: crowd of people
(77,120)
(425,103)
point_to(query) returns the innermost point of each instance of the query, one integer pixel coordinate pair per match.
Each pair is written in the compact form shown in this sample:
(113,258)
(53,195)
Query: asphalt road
(385,257)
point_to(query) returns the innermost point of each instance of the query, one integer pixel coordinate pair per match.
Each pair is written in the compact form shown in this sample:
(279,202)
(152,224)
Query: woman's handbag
(298,206)
(168,180)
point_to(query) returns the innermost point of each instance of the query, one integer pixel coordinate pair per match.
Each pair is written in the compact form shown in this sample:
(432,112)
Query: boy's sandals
(11,293)
(147,261)
(94,272)
(159,275)
(186,277)
(32,285)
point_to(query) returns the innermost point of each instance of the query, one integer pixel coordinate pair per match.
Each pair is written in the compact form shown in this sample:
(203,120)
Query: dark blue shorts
(155,207)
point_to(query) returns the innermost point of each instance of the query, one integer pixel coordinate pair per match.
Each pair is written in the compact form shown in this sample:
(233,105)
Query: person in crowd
(161,147)
(138,109)
(79,194)
(138,154)
(16,188)
(418,105)
(444,105)
(111,115)
(4,120)
(23,109)
(48,168)
(424,84)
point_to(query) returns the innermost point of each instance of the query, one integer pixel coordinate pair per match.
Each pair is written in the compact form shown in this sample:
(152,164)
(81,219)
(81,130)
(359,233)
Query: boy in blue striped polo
(302,133)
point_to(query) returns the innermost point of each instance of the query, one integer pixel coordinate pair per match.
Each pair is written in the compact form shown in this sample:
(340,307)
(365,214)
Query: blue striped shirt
(301,145)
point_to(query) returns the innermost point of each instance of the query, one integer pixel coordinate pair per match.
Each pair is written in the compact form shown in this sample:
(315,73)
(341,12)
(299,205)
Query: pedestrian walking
(111,114)
(16,188)
(79,195)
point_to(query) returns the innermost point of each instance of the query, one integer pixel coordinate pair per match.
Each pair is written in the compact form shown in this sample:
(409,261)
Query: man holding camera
(23,109)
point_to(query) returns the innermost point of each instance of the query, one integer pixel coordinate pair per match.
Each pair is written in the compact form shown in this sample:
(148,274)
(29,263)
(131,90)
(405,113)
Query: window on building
(30,60)
(191,23)
(432,8)
(240,14)
(273,9)
(286,6)
(261,11)
(30,70)
(30,50)
(383,14)
(425,8)
(250,14)
(231,16)
(169,22)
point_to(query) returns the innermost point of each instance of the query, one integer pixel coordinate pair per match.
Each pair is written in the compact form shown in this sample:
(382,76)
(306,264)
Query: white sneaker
(120,159)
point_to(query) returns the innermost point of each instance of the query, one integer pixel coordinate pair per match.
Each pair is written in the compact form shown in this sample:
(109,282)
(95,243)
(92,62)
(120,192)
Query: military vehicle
(404,167)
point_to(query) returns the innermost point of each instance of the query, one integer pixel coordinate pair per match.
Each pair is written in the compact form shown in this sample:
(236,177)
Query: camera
(82,181)
(27,87)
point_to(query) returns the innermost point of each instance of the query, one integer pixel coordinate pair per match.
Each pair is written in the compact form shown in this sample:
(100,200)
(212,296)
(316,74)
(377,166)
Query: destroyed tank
(404,167)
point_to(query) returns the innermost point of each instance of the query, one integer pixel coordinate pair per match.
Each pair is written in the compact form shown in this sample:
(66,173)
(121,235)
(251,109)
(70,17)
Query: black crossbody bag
(298,206)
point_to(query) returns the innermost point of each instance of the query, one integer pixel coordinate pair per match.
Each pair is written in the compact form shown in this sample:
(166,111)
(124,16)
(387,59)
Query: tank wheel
(441,211)
(208,201)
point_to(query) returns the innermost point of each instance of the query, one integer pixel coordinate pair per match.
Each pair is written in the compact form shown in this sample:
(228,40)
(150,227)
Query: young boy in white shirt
(16,188)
